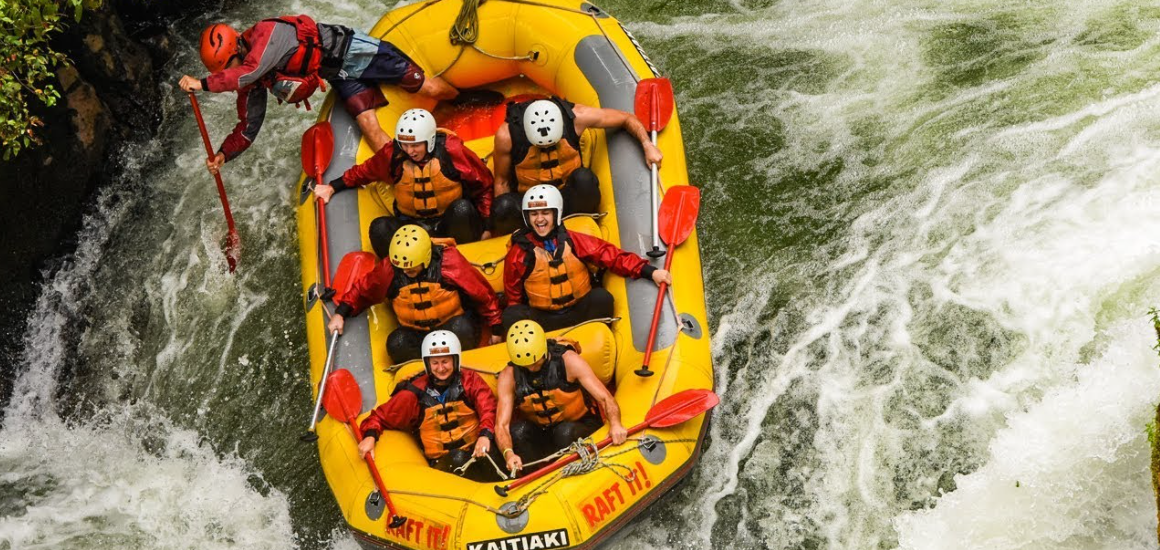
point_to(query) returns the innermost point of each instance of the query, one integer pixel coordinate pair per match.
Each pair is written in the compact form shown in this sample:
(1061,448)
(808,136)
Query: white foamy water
(978,321)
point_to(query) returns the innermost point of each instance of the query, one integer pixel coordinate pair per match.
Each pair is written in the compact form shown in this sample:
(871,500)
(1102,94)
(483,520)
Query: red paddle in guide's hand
(233,242)
(653,105)
(678,217)
(670,411)
(317,149)
(344,402)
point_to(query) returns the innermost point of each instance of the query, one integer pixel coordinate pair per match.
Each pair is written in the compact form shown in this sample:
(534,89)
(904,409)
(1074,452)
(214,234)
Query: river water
(930,242)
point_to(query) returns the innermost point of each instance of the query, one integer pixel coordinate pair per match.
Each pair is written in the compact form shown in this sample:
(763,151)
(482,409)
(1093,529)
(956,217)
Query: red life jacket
(299,79)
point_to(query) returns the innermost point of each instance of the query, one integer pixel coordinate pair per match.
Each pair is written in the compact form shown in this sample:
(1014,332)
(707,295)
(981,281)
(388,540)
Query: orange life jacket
(424,302)
(427,191)
(546,397)
(447,421)
(552,281)
(533,165)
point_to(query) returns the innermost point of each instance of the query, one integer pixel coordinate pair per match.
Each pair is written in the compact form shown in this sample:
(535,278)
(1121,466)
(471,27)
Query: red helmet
(219,44)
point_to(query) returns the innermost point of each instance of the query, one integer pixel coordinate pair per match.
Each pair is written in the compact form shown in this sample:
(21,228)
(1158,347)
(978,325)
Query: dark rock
(110,97)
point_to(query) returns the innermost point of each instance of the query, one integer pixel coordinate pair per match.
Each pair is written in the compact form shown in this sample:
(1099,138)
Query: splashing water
(929,333)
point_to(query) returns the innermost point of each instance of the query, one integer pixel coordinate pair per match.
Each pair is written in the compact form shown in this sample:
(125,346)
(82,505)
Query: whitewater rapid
(930,242)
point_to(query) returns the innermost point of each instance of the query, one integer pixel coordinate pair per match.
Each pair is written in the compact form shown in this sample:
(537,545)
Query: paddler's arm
(376,168)
(501,158)
(365,292)
(398,413)
(506,389)
(595,117)
(579,370)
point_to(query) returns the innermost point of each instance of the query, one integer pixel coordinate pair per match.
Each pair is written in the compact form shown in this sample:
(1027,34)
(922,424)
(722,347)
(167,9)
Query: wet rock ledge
(110,98)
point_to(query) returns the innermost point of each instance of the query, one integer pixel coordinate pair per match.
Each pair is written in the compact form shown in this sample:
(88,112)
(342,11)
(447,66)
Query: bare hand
(367,445)
(514,463)
(485,236)
(189,84)
(324,192)
(661,276)
(214,164)
(652,155)
(618,434)
(482,445)
(495,339)
(336,323)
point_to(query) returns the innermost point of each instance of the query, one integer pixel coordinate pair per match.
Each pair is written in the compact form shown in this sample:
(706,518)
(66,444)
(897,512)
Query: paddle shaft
(652,330)
(217,176)
(322,386)
(571,458)
(320,207)
(654,120)
(371,465)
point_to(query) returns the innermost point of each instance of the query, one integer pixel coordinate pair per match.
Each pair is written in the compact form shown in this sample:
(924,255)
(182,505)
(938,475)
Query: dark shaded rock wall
(110,97)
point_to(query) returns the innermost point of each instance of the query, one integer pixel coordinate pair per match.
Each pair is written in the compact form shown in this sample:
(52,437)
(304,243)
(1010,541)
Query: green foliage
(27,62)
(1155,315)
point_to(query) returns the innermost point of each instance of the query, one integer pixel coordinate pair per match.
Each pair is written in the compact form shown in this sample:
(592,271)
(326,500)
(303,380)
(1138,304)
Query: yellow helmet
(410,247)
(526,343)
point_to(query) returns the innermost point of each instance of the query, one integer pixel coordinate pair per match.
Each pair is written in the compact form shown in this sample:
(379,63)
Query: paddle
(670,411)
(678,217)
(233,242)
(654,107)
(352,267)
(317,149)
(344,402)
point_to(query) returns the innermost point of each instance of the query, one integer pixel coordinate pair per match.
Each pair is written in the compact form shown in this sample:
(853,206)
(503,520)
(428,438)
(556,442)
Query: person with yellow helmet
(438,182)
(539,143)
(429,286)
(546,274)
(291,57)
(450,410)
(558,397)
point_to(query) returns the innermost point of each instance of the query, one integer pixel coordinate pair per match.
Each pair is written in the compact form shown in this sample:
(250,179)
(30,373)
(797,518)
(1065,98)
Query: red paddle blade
(233,249)
(353,267)
(654,102)
(680,407)
(343,399)
(317,148)
(678,213)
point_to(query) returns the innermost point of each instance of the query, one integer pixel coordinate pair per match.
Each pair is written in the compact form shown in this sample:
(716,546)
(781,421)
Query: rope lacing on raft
(465,31)
(590,461)
(587,463)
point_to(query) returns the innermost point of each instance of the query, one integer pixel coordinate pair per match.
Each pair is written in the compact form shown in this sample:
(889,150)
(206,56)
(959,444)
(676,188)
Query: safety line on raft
(589,462)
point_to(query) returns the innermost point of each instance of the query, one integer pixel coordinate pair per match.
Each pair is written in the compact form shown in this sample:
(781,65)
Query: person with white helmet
(439,183)
(558,397)
(429,286)
(547,271)
(450,410)
(292,57)
(539,143)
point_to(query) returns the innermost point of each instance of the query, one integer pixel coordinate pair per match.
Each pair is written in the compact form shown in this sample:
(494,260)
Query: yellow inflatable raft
(574,50)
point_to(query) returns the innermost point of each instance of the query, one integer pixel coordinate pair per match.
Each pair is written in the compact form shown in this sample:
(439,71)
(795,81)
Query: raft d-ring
(511,525)
(375,505)
(538,54)
(652,449)
(488,268)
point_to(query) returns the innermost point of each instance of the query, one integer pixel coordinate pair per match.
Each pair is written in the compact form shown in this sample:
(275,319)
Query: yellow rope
(466,28)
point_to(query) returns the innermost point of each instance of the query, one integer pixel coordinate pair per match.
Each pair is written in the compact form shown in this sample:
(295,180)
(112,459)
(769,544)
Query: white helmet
(414,126)
(544,196)
(543,123)
(439,343)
